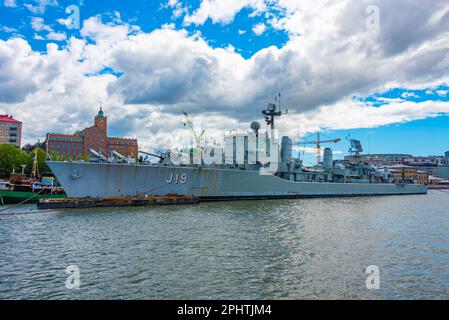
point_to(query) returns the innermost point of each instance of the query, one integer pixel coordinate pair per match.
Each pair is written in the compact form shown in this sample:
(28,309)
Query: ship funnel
(328,158)
(286,149)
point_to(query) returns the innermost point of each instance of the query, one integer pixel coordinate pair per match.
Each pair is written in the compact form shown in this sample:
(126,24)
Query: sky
(374,70)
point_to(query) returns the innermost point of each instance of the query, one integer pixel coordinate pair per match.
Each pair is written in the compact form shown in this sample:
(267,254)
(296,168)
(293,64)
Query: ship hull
(102,180)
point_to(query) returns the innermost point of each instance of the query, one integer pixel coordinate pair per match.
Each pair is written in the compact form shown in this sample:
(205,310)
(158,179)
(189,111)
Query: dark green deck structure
(7,196)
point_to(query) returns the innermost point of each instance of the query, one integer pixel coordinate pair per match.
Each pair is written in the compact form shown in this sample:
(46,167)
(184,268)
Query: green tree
(11,158)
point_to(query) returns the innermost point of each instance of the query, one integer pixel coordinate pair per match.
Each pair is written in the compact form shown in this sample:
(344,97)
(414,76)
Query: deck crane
(318,143)
(188,122)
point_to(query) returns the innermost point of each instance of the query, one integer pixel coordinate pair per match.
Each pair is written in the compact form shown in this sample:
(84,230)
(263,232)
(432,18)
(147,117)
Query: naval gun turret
(164,157)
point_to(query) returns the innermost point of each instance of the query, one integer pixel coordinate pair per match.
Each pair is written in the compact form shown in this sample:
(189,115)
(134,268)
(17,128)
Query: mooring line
(23,202)
(25,213)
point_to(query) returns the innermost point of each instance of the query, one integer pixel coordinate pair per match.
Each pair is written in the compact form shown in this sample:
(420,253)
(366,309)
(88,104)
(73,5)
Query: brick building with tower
(10,130)
(95,137)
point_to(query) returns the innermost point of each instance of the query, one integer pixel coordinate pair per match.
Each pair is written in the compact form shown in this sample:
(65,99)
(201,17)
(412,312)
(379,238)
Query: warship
(251,165)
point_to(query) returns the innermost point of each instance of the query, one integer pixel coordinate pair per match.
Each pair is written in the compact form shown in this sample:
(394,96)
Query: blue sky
(148,15)
(269,46)
(421,137)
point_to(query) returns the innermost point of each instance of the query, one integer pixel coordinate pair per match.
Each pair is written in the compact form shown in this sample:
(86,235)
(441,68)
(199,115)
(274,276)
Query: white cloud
(312,150)
(10,3)
(221,11)
(110,33)
(57,36)
(37,23)
(178,8)
(351,115)
(39,6)
(409,95)
(25,71)
(259,29)
(8,29)
(329,58)
(390,100)
(241,32)
(38,37)
(65,22)
(187,72)
(308,150)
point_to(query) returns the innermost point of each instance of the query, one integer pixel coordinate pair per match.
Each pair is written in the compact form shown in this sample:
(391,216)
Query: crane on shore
(318,143)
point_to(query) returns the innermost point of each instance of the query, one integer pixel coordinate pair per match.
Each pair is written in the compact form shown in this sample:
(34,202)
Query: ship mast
(35,164)
(270,113)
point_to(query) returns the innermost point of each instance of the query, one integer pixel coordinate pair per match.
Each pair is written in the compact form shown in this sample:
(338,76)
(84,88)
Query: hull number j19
(178,178)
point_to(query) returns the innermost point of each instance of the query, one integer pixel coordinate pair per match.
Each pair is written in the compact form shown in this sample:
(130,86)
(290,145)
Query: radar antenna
(356,147)
(271,112)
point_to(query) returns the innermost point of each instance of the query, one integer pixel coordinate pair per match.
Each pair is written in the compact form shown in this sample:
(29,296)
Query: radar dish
(356,147)
(255,126)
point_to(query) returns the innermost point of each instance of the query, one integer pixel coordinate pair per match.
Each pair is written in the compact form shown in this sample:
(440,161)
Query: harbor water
(277,249)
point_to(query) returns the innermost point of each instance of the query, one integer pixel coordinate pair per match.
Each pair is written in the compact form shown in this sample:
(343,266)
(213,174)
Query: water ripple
(289,249)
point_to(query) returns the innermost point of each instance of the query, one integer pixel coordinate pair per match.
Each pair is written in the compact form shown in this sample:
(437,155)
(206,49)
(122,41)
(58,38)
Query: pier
(115,202)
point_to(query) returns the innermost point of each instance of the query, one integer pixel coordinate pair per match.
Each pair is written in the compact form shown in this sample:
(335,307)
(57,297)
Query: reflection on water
(286,249)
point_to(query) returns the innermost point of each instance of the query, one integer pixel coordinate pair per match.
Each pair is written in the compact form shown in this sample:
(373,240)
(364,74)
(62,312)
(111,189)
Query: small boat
(11,196)
(5,185)
(21,188)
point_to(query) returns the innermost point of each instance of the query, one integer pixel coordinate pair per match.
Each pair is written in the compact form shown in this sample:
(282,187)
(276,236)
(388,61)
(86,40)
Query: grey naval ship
(251,165)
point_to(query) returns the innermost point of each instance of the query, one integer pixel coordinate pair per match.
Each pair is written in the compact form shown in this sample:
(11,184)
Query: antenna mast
(270,113)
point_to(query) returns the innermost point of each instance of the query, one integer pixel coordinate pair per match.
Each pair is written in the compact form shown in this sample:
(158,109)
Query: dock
(115,202)
(438,187)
